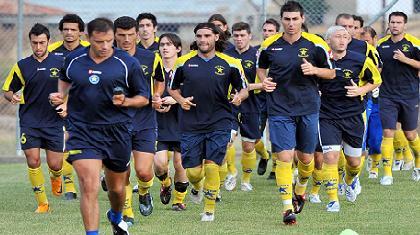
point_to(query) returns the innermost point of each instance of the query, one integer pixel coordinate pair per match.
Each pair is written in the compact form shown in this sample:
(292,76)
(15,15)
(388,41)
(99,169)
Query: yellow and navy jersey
(37,80)
(92,86)
(151,65)
(248,60)
(209,81)
(168,123)
(365,49)
(154,47)
(334,102)
(295,93)
(400,80)
(58,48)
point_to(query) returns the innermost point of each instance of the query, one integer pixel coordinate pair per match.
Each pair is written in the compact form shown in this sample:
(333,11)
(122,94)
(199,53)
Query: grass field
(378,210)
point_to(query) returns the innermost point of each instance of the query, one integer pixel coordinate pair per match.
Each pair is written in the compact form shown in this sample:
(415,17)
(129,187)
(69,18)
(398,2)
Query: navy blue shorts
(374,129)
(294,132)
(109,143)
(49,138)
(145,140)
(349,130)
(235,122)
(249,126)
(195,147)
(262,102)
(405,111)
(168,146)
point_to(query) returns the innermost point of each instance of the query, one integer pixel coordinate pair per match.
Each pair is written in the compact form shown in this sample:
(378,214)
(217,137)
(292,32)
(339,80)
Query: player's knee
(410,135)
(248,147)
(195,174)
(33,162)
(144,175)
(181,186)
(353,161)
(162,176)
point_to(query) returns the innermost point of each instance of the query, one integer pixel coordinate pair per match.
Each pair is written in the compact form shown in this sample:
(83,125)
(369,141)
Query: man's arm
(310,70)
(398,55)
(184,102)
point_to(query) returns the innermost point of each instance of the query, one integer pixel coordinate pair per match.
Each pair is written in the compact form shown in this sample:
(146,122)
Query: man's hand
(354,90)
(15,99)
(307,68)
(62,110)
(118,100)
(236,98)
(186,103)
(156,101)
(269,85)
(164,109)
(398,55)
(168,100)
(56,99)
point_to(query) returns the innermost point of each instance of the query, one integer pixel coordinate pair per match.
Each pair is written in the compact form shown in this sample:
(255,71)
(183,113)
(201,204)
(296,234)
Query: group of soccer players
(126,92)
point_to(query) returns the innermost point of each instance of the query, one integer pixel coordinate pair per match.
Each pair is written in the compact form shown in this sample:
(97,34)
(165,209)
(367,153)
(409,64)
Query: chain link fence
(173,16)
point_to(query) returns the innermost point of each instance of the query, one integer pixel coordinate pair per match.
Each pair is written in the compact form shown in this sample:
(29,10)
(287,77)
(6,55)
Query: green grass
(378,210)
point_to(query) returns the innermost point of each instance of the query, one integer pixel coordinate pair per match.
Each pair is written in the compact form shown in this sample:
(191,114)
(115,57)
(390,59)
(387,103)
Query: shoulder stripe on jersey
(415,41)
(270,40)
(55,45)
(126,69)
(84,43)
(234,63)
(382,40)
(15,70)
(319,42)
(181,61)
(71,62)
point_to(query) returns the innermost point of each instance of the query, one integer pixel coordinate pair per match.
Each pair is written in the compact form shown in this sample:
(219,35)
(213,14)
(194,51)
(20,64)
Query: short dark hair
(72,18)
(100,24)
(273,22)
(126,23)
(174,39)
(291,6)
(221,44)
(241,26)
(148,16)
(370,30)
(398,13)
(360,19)
(343,15)
(39,29)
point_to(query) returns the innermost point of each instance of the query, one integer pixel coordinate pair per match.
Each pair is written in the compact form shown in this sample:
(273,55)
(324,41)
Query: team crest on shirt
(405,47)
(94,79)
(144,68)
(220,70)
(248,64)
(54,72)
(303,52)
(348,74)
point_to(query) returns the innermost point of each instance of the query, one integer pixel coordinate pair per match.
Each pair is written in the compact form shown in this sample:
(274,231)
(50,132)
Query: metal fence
(173,16)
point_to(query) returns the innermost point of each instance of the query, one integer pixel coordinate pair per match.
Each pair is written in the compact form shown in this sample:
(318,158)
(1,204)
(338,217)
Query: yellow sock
(37,181)
(144,186)
(230,160)
(317,177)
(196,176)
(284,183)
(351,173)
(387,150)
(128,209)
(261,150)
(408,156)
(415,147)
(68,175)
(179,196)
(223,171)
(55,174)
(166,182)
(375,162)
(398,141)
(211,186)
(249,161)
(331,181)
(305,171)
(341,166)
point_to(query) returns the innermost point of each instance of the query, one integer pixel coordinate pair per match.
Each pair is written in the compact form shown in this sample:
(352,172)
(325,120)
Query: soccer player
(399,96)
(358,26)
(295,60)
(40,124)
(168,130)
(249,109)
(71,27)
(200,85)
(147,32)
(220,21)
(340,117)
(108,83)
(144,121)
(270,27)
